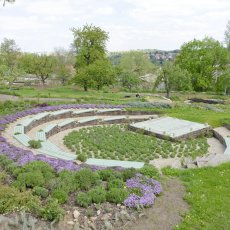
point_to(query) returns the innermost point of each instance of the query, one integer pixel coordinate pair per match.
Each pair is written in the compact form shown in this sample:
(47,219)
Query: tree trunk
(85,88)
(167,93)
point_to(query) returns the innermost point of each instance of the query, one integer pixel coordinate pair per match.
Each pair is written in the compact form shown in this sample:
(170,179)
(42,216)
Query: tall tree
(64,67)
(227,35)
(90,47)
(202,58)
(136,62)
(9,61)
(40,65)
(174,78)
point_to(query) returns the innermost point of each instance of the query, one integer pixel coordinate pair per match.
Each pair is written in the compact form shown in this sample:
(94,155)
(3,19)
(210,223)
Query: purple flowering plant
(148,187)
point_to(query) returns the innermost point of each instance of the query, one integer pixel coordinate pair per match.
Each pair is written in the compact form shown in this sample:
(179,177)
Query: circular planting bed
(116,142)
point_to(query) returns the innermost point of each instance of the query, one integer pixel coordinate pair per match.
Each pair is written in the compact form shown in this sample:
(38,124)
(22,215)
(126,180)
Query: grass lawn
(71,92)
(208,194)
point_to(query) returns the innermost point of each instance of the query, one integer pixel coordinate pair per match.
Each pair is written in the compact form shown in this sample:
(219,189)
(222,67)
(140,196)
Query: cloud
(41,25)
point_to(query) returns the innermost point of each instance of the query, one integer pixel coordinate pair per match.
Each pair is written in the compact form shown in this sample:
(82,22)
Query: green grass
(71,92)
(208,194)
(196,114)
(117,143)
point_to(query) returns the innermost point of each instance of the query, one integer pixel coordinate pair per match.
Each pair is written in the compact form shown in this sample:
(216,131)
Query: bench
(227,142)
(115,163)
(41,136)
(19,129)
(23,139)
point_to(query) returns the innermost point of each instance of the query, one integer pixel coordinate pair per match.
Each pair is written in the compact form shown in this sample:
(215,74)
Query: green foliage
(129,173)
(105,174)
(83,199)
(93,67)
(116,195)
(82,157)
(202,58)
(30,180)
(66,181)
(11,199)
(60,195)
(174,78)
(36,173)
(150,171)
(117,143)
(35,144)
(52,211)
(86,178)
(40,191)
(98,195)
(116,183)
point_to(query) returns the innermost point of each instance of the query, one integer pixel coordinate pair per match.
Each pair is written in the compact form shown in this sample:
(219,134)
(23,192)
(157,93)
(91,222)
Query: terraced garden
(116,142)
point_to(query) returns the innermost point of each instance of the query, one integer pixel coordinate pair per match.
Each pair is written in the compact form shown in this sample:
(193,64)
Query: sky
(43,25)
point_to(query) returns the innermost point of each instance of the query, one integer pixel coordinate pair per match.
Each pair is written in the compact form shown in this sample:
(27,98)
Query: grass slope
(208,194)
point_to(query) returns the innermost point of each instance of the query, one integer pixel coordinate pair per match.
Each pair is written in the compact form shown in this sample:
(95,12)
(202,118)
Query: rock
(92,226)
(118,205)
(124,215)
(76,226)
(105,216)
(98,212)
(141,215)
(71,222)
(123,207)
(76,214)
(108,225)
(93,218)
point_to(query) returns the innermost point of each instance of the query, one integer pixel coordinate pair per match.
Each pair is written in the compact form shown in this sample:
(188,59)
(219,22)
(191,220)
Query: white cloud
(41,25)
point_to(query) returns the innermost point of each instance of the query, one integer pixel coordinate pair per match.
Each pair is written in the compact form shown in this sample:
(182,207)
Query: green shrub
(150,171)
(41,166)
(60,195)
(52,211)
(35,144)
(66,181)
(128,173)
(3,176)
(116,195)
(11,199)
(82,157)
(98,195)
(83,199)
(86,178)
(29,180)
(40,191)
(116,183)
(105,174)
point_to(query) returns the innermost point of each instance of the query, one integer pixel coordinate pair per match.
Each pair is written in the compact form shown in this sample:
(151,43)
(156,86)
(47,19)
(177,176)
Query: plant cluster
(47,189)
(35,144)
(148,187)
(117,143)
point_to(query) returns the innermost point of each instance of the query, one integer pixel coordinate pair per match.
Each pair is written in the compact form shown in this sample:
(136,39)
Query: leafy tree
(136,62)
(40,65)
(10,54)
(133,65)
(129,80)
(223,82)
(64,68)
(202,58)
(103,73)
(174,78)
(90,47)
(227,35)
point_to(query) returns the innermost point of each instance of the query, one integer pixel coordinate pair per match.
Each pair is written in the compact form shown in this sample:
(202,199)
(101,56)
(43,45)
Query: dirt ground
(167,210)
